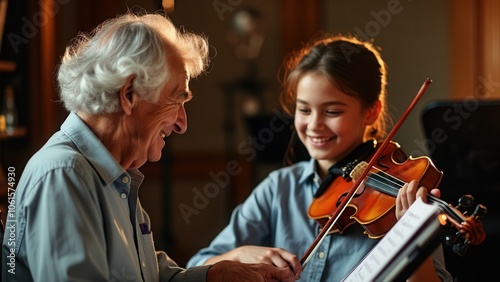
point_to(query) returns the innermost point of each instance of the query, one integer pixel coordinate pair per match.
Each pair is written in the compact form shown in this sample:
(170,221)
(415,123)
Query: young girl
(335,87)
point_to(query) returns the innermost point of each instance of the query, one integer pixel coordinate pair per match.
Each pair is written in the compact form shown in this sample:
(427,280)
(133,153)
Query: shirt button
(125,179)
(321,255)
(144,264)
(123,195)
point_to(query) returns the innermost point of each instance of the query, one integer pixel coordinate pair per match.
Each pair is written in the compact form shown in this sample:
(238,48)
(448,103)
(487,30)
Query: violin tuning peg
(466,201)
(480,211)
(461,248)
(452,239)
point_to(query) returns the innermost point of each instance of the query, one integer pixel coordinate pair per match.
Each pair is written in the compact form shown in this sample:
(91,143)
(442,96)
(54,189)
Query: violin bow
(346,200)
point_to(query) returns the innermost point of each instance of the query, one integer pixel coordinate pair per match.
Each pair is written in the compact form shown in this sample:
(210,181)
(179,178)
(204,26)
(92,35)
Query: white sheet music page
(391,246)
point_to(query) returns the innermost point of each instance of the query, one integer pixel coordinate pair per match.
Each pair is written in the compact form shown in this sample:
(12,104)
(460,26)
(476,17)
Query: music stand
(403,249)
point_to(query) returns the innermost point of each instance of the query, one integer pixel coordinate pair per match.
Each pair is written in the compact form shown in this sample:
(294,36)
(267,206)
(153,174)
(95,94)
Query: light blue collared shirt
(78,218)
(275,215)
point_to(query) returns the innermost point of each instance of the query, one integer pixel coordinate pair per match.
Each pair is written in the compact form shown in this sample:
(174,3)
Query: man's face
(156,121)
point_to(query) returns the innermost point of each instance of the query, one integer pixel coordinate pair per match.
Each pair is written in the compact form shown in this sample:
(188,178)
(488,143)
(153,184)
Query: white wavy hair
(96,66)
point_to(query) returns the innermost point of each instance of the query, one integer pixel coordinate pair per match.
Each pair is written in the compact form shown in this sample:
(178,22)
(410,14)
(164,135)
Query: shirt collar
(93,150)
(309,172)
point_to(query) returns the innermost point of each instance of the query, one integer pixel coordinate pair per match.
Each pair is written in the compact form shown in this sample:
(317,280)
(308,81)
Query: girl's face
(329,122)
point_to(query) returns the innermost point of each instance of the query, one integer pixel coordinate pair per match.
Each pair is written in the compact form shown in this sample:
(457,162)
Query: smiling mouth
(319,140)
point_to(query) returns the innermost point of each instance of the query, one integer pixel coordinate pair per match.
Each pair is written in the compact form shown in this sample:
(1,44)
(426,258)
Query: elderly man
(77,213)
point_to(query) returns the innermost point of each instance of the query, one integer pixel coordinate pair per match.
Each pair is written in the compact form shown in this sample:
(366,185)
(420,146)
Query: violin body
(373,209)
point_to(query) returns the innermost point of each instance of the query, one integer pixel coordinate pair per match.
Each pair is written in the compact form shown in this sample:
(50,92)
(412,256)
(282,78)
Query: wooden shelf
(7,66)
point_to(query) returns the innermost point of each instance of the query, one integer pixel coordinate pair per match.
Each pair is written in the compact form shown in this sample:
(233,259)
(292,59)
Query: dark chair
(463,138)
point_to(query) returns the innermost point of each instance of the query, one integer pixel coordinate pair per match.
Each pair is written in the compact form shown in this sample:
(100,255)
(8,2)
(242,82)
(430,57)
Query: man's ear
(128,97)
(372,113)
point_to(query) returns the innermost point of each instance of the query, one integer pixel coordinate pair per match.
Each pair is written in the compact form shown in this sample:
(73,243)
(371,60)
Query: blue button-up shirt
(275,215)
(77,217)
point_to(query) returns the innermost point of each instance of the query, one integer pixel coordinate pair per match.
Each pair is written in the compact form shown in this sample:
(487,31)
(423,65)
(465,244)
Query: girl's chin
(318,155)
(316,148)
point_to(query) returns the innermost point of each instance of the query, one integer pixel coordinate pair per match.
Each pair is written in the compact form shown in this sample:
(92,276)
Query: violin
(374,202)
(366,194)
(380,190)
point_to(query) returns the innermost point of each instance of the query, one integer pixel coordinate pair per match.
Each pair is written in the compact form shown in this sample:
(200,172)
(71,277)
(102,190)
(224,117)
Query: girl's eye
(303,111)
(332,112)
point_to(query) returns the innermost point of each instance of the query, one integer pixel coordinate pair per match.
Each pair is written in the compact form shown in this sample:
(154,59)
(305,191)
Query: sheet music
(395,249)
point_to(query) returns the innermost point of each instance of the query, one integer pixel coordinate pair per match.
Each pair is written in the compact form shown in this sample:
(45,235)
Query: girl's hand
(409,193)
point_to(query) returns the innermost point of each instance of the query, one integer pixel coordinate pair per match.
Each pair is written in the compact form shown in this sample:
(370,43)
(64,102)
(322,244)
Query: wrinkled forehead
(177,84)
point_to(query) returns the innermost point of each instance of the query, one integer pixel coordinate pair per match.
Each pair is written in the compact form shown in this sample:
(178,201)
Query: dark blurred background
(237,131)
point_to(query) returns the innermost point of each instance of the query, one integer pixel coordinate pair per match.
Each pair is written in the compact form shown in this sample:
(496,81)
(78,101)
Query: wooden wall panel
(489,21)
(475,49)
(301,20)
(463,47)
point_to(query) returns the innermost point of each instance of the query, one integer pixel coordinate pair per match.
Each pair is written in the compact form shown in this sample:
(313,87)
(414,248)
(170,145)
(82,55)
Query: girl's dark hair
(354,66)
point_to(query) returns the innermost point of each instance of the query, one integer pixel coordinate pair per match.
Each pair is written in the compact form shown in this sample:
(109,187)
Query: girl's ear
(372,113)
(128,97)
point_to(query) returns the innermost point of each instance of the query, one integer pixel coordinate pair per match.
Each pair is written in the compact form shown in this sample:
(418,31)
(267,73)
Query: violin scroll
(470,231)
(463,220)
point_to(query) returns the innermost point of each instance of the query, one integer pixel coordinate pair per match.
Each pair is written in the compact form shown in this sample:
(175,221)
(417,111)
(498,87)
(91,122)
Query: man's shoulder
(58,153)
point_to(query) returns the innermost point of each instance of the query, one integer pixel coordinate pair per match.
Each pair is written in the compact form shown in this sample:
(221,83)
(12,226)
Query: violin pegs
(480,211)
(461,247)
(452,239)
(466,201)
(459,243)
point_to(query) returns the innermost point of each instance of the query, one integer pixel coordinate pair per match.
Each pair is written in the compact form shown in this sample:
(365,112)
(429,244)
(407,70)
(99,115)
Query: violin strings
(393,184)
